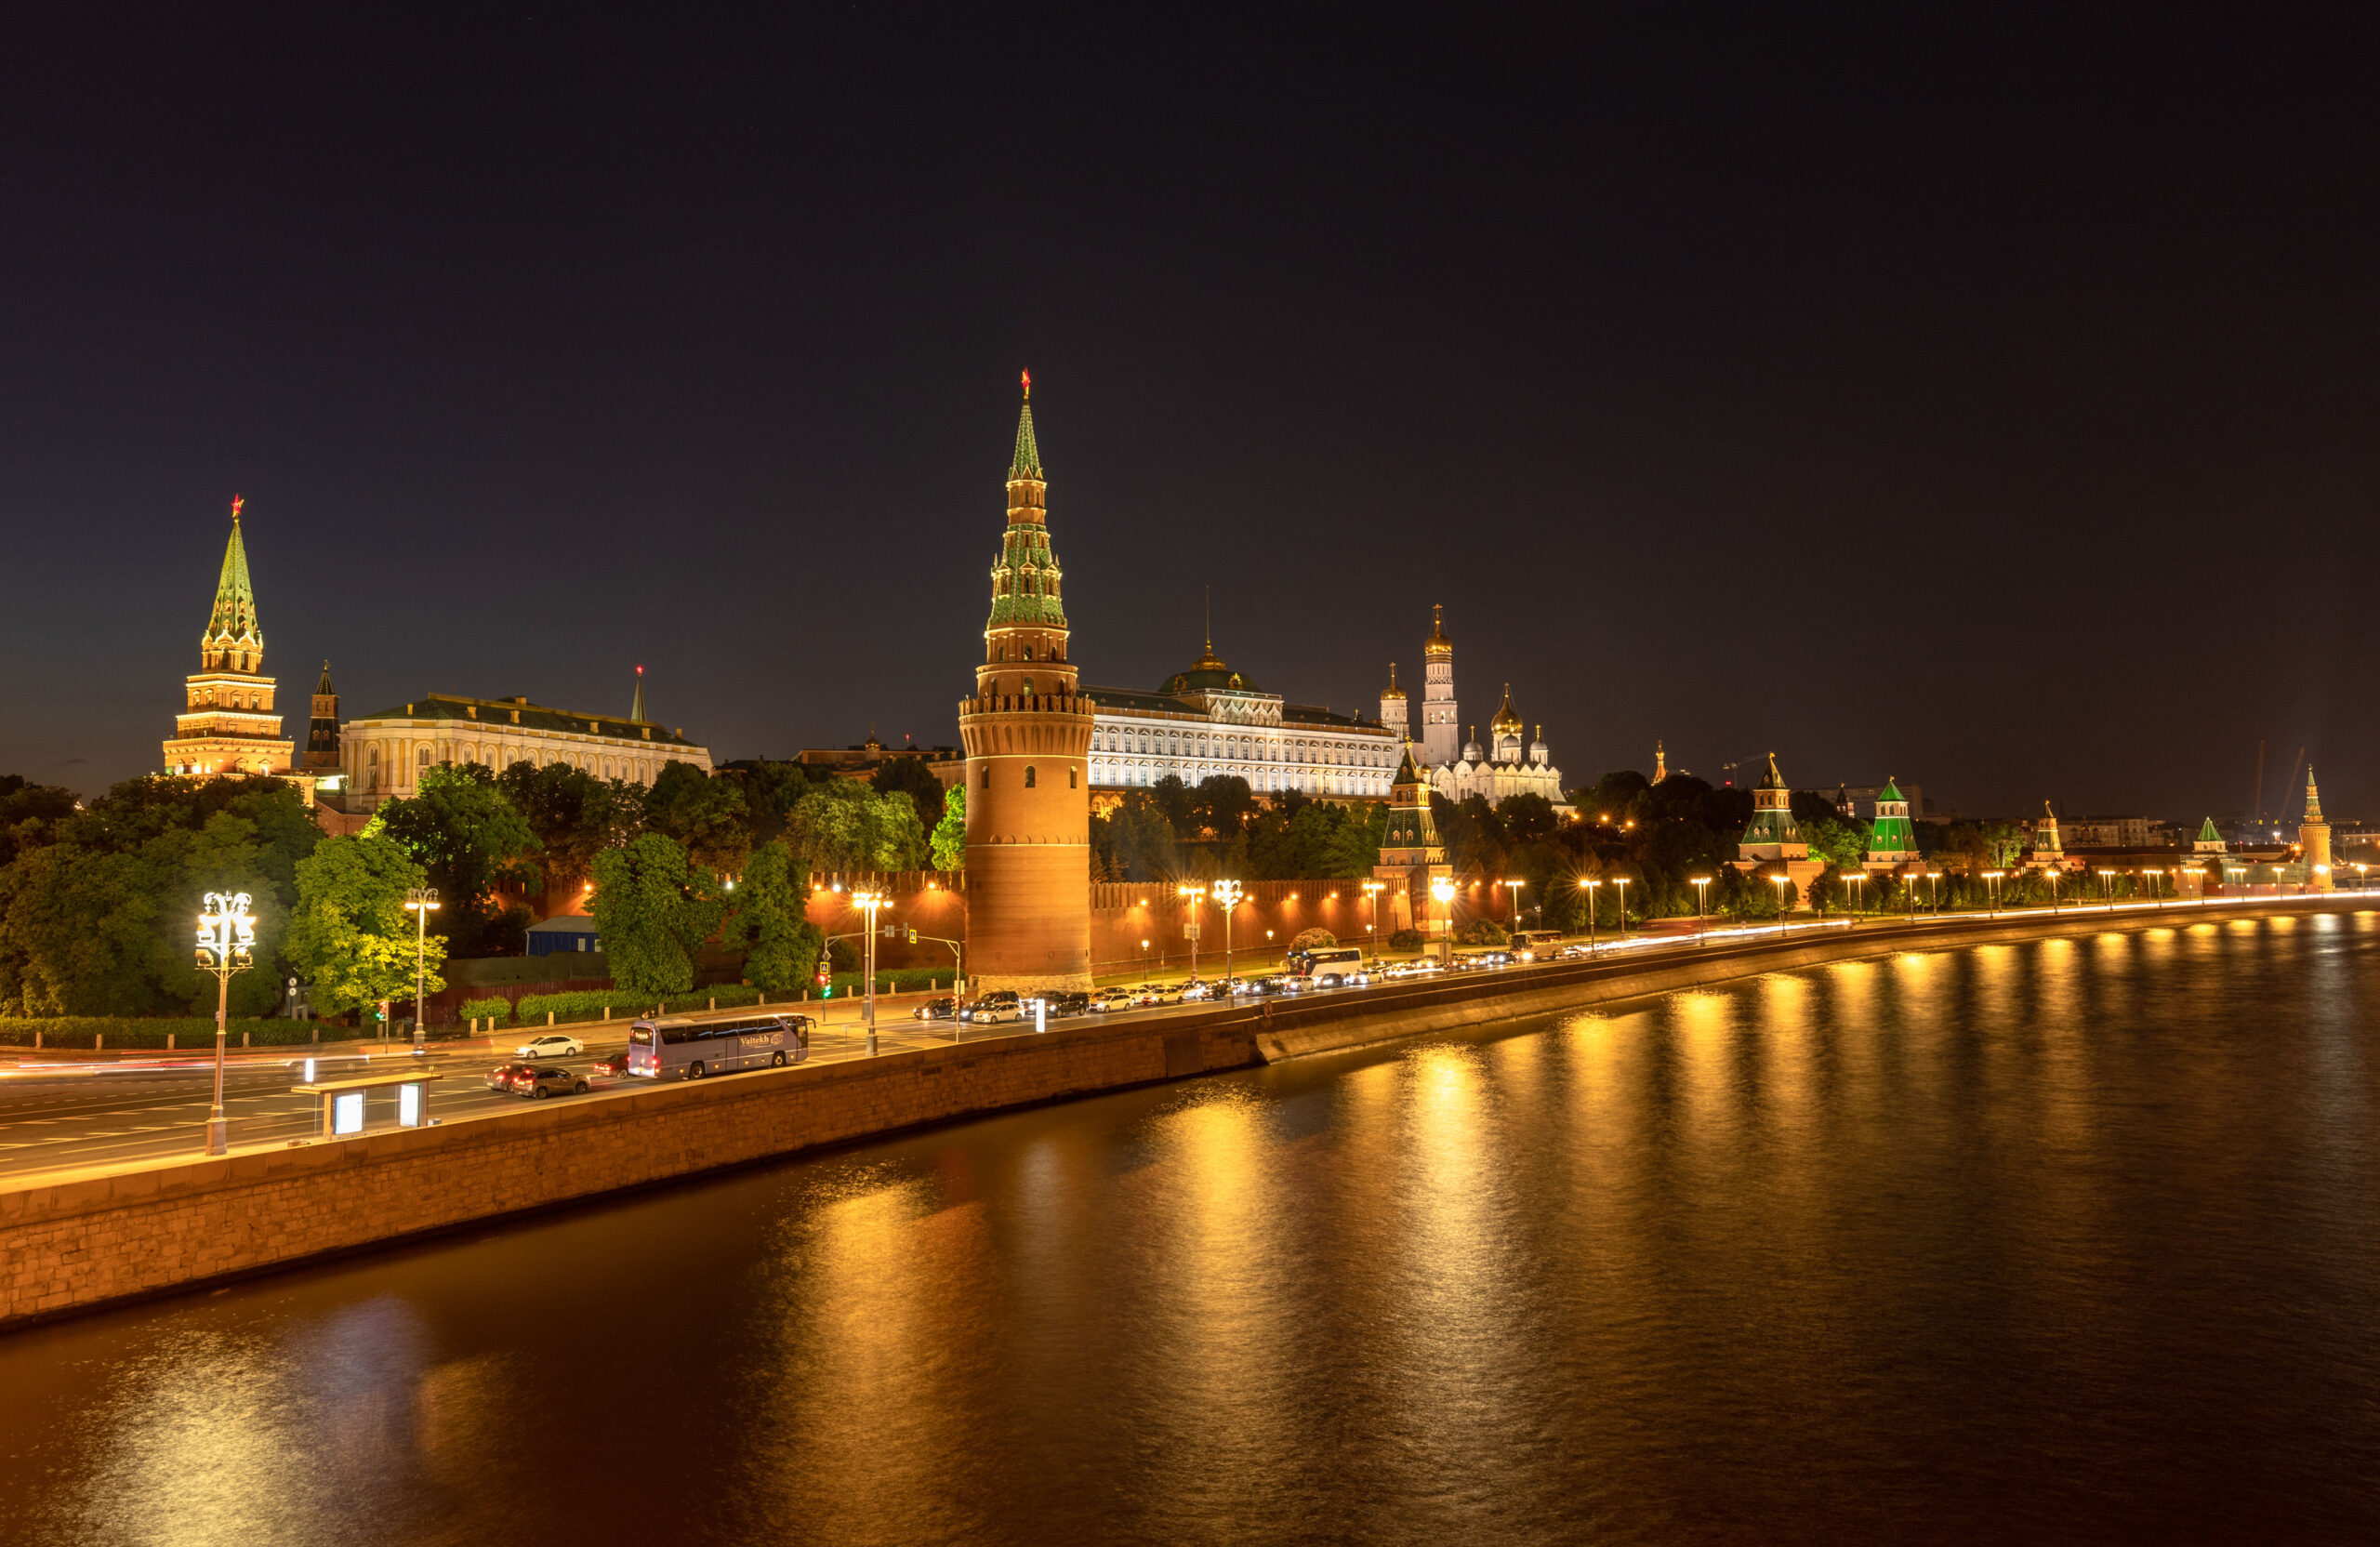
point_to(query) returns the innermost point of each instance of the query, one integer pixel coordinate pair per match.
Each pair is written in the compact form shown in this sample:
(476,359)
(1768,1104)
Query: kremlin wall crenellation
(1044,752)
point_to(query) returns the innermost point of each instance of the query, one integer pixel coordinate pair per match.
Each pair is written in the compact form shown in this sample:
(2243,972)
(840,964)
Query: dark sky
(1988,402)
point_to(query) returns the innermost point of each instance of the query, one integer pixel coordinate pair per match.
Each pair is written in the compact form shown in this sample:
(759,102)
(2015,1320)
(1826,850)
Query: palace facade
(1207,719)
(384,755)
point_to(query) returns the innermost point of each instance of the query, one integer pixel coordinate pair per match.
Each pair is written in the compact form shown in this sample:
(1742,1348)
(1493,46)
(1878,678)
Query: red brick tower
(1027,732)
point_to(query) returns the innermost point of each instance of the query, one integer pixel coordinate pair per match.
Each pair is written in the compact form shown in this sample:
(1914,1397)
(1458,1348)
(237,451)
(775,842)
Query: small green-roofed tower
(1410,855)
(2209,841)
(1893,840)
(1772,833)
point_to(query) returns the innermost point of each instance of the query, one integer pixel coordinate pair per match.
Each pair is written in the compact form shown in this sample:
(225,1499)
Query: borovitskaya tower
(1027,732)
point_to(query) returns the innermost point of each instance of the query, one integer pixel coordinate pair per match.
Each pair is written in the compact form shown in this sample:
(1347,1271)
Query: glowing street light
(1227,895)
(1991,884)
(1371,895)
(1590,888)
(2108,887)
(1782,882)
(1513,888)
(421,902)
(1442,888)
(868,903)
(1702,918)
(1858,878)
(1195,894)
(1622,882)
(227,943)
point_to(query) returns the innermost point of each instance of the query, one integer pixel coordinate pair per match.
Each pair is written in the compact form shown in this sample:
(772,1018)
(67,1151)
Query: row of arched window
(1232,748)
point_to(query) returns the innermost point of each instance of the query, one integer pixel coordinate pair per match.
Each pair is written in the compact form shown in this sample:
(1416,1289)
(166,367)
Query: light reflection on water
(2064,1240)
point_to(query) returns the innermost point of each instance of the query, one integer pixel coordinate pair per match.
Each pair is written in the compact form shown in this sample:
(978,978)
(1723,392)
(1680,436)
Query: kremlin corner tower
(1027,733)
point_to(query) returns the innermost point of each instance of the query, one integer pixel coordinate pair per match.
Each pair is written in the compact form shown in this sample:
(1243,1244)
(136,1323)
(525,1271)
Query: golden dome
(1394,690)
(1506,720)
(1437,643)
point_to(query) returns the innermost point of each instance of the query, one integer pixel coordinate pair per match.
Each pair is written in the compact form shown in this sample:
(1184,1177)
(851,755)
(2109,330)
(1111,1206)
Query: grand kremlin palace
(1209,720)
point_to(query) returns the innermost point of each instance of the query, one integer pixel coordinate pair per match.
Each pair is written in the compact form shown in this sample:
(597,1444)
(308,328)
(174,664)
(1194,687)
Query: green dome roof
(1208,673)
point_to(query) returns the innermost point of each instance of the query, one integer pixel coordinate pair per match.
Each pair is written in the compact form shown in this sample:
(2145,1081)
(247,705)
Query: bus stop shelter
(344,1104)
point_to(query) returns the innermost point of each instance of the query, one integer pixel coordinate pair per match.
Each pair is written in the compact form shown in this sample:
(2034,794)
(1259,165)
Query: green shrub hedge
(499,1008)
(149,1032)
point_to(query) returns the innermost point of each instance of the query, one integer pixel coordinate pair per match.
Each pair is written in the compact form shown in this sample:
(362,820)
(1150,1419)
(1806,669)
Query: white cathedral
(1455,767)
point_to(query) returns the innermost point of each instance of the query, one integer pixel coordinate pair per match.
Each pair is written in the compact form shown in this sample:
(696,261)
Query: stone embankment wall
(139,1230)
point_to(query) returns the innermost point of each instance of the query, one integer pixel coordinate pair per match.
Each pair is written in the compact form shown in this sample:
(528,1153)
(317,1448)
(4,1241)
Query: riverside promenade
(77,1239)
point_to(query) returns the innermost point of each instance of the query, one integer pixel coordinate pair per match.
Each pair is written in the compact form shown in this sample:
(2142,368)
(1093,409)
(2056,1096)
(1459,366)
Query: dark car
(501,1077)
(540,1081)
(613,1066)
(1070,1004)
(942,1009)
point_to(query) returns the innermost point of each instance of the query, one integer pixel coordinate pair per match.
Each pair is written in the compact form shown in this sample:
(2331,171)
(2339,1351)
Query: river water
(2076,1240)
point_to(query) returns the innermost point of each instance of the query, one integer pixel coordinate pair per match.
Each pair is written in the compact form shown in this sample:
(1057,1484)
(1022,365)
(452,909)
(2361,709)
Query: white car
(554,1044)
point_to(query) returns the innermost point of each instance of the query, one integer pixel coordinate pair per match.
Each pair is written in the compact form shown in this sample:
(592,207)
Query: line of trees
(99,901)
(1218,828)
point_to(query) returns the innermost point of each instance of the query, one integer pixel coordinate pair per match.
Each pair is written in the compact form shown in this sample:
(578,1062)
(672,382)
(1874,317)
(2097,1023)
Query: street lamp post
(1590,887)
(1858,878)
(1908,902)
(1194,893)
(1442,888)
(227,940)
(1371,895)
(2108,888)
(1227,897)
(868,903)
(1513,900)
(1622,882)
(421,902)
(1991,890)
(1702,918)
(1144,961)
(1782,882)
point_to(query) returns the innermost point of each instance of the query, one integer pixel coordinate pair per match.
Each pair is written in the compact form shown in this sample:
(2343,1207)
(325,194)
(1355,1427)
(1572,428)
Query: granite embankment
(73,1243)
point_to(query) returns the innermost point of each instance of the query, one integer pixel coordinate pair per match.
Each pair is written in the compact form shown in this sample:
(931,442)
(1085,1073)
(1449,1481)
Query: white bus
(1328,967)
(681,1048)
(1535,945)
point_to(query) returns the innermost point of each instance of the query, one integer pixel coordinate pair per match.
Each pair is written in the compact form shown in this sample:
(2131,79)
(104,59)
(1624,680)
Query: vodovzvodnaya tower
(1028,733)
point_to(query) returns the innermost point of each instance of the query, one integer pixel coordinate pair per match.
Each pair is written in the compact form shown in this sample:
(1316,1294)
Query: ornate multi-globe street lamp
(421,902)
(1371,895)
(227,942)
(1443,890)
(1228,894)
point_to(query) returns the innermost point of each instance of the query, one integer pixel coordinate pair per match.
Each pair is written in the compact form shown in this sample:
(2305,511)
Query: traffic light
(913,935)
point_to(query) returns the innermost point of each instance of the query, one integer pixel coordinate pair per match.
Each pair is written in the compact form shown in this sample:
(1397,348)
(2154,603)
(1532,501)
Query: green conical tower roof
(1028,463)
(1891,790)
(2206,833)
(2313,797)
(636,708)
(233,641)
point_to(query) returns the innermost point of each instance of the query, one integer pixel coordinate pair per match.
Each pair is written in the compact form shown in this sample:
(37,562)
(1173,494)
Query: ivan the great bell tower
(1027,732)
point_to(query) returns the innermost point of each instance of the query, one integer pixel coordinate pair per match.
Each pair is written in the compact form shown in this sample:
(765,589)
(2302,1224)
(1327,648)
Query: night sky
(1990,403)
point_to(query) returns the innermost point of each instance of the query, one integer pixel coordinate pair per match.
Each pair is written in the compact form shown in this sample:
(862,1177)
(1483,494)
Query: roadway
(63,1116)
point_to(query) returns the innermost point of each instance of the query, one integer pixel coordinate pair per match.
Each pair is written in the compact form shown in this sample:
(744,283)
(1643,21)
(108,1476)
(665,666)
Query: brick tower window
(1028,778)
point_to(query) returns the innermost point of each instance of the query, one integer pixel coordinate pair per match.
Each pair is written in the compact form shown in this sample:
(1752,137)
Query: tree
(654,910)
(846,827)
(350,937)
(1829,893)
(1222,805)
(1172,798)
(1839,843)
(706,816)
(781,945)
(1612,795)
(460,828)
(1313,940)
(1134,841)
(949,841)
(575,816)
(910,776)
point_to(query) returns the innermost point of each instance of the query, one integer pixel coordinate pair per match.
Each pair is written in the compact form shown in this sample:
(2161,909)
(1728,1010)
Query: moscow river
(2076,1240)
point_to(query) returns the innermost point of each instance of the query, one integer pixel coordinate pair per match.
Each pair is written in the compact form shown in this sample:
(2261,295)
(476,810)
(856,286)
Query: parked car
(500,1078)
(613,1066)
(1069,1004)
(1111,999)
(942,1009)
(554,1044)
(1196,988)
(1280,983)
(540,1081)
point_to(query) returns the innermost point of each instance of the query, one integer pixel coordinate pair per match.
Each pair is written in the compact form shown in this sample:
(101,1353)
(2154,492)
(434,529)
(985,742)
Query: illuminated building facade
(1892,842)
(1027,732)
(228,724)
(2314,837)
(384,755)
(1410,855)
(1207,719)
